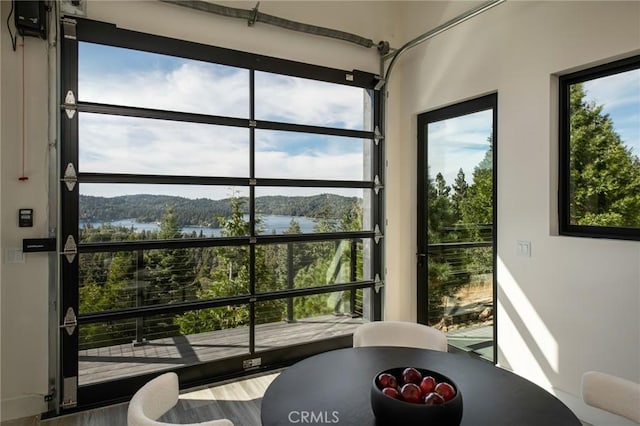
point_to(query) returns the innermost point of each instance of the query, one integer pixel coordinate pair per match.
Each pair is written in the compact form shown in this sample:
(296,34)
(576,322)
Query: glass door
(457,217)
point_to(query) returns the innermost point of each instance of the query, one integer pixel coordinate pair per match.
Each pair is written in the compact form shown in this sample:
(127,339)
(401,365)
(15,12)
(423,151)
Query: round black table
(334,387)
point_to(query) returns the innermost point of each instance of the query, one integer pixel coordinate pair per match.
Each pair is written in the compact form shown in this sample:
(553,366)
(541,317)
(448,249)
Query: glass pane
(284,210)
(460,253)
(121,348)
(301,101)
(297,320)
(110,281)
(308,156)
(117,144)
(311,264)
(122,212)
(119,76)
(604,151)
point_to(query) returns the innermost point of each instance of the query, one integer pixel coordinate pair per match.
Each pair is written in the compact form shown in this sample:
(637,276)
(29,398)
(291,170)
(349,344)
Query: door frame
(482,103)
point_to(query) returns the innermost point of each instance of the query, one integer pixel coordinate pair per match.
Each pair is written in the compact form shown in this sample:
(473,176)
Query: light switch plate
(523,248)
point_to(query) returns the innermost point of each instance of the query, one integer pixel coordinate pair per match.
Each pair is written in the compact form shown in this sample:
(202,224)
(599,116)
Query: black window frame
(110,35)
(565,226)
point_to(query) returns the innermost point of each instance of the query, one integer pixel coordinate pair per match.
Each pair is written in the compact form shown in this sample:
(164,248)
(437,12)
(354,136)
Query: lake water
(270,223)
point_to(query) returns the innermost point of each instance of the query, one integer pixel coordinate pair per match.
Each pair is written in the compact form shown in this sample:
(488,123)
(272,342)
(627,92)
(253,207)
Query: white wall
(574,305)
(550,319)
(24,287)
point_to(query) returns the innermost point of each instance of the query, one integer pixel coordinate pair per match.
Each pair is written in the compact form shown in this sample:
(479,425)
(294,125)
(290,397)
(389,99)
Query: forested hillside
(204,211)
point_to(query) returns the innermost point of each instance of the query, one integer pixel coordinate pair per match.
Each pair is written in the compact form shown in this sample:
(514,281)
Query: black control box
(25,218)
(31,18)
(31,245)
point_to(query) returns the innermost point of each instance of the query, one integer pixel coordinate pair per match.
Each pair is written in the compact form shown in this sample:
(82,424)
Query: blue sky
(113,144)
(619,94)
(462,141)
(459,142)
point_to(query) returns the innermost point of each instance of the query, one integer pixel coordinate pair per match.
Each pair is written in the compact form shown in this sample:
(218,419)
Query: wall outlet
(14,255)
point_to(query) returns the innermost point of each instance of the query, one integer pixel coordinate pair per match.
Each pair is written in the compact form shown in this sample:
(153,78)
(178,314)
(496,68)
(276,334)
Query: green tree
(170,272)
(477,207)
(604,173)
(460,187)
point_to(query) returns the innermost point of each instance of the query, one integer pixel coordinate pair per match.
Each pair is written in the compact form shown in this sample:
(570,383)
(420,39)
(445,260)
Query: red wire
(23,177)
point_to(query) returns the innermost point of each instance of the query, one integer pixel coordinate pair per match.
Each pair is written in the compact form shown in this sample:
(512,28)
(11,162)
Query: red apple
(445,390)
(427,385)
(411,393)
(392,392)
(433,399)
(411,375)
(386,380)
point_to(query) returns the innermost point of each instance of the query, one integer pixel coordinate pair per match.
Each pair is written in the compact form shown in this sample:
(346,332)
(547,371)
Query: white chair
(613,394)
(399,333)
(156,398)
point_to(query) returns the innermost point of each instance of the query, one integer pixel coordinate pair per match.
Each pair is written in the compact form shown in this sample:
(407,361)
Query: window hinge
(378,284)
(70,321)
(378,234)
(70,177)
(69,104)
(378,136)
(377,186)
(70,249)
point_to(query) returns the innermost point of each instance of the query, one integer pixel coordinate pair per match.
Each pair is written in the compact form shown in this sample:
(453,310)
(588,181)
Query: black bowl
(390,411)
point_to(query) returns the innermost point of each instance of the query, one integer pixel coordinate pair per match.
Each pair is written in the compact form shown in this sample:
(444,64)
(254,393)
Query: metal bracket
(253,182)
(378,136)
(69,392)
(254,15)
(70,177)
(69,104)
(383,48)
(348,76)
(378,284)
(377,186)
(380,84)
(378,235)
(69,28)
(70,321)
(252,123)
(70,249)
(253,240)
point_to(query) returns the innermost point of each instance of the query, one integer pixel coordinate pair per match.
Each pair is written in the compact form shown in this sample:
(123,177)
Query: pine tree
(604,173)
(460,187)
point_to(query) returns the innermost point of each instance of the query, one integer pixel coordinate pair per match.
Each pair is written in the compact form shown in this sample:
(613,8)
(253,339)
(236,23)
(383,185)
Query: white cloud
(303,101)
(619,94)
(618,90)
(192,87)
(459,142)
(115,144)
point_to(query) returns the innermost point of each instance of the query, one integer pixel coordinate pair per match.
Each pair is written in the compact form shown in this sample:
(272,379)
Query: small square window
(600,151)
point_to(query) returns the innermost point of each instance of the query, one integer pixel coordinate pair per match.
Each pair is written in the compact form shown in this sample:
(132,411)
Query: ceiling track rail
(252,16)
(395,54)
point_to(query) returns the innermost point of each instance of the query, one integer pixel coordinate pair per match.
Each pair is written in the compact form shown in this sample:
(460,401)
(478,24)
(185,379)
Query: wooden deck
(112,362)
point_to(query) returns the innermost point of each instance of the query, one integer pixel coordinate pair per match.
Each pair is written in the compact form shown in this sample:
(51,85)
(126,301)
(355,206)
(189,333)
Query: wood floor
(112,362)
(238,401)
